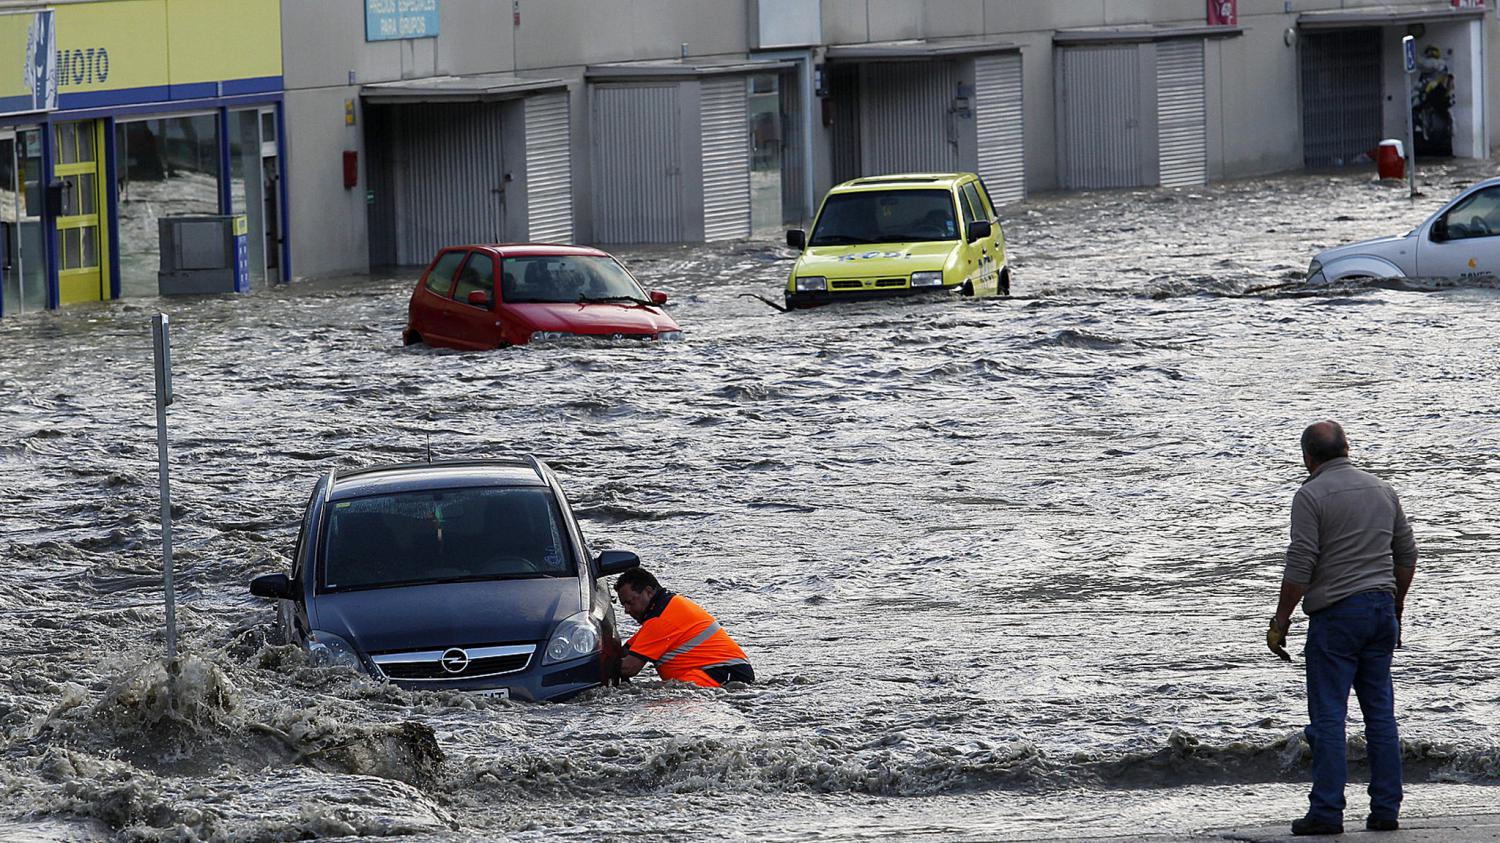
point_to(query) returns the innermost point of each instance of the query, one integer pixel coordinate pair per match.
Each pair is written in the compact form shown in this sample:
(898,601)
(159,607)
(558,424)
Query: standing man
(685,642)
(1350,562)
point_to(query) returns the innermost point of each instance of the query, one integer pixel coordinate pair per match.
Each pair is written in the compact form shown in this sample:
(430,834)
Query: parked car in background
(470,576)
(900,235)
(1461,240)
(478,297)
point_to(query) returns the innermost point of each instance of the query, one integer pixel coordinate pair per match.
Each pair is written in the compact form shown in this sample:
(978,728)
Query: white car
(1461,240)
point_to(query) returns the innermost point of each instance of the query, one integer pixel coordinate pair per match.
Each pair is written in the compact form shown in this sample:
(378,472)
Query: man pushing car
(683,640)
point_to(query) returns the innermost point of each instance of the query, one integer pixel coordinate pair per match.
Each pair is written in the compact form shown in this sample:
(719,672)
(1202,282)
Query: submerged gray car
(469,576)
(1460,241)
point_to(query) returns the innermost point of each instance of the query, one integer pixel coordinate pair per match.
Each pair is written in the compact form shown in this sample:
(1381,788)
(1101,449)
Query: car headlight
(669,336)
(574,637)
(812,284)
(542,336)
(1315,272)
(325,649)
(927,279)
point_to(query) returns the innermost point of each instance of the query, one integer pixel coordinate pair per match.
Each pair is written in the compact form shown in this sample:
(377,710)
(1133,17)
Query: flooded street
(1003,566)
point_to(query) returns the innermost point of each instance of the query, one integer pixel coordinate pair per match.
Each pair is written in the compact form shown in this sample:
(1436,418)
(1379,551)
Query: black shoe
(1374,823)
(1309,826)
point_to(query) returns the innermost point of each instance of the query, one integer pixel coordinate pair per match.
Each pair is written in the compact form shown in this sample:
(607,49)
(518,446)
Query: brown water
(1002,565)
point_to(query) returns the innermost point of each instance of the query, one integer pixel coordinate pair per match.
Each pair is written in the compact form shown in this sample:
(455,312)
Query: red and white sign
(1468,4)
(1226,12)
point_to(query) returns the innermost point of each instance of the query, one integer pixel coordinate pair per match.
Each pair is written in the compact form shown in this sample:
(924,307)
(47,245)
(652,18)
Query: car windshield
(444,535)
(568,278)
(885,216)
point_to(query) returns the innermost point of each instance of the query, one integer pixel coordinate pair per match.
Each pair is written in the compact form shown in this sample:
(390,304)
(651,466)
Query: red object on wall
(351,168)
(1223,13)
(1468,4)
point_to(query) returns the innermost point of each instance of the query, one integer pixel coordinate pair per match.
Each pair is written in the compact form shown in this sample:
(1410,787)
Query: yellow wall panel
(212,40)
(112,45)
(13,31)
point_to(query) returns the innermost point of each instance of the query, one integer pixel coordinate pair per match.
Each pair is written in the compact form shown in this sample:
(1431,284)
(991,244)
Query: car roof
(902,181)
(522,250)
(446,474)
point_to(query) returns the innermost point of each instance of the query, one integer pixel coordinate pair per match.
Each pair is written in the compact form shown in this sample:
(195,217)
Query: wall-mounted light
(1290,36)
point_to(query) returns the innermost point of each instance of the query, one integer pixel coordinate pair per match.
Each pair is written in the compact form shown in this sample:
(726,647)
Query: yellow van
(901,235)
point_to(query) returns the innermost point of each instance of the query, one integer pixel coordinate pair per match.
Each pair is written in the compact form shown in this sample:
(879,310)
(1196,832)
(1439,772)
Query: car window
(885,216)
(444,535)
(478,274)
(440,277)
(981,210)
(984,193)
(1477,215)
(966,208)
(568,278)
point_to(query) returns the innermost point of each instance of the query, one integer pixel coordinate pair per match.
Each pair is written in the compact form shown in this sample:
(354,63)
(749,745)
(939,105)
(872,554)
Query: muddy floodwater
(1003,566)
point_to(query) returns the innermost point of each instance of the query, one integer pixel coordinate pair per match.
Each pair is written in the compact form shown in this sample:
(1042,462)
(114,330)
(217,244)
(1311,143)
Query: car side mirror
(272,586)
(612,562)
(796,238)
(479,298)
(658,297)
(978,230)
(1440,230)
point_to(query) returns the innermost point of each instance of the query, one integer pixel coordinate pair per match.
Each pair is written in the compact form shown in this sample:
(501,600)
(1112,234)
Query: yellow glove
(1276,640)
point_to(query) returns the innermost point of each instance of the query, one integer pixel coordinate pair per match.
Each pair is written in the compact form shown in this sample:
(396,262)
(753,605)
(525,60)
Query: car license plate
(500,693)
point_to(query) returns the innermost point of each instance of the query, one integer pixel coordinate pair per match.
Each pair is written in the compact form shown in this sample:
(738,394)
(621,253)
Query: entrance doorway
(254,188)
(80,271)
(23,257)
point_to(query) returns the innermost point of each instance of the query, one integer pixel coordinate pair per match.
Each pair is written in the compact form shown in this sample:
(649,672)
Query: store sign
(1223,13)
(392,20)
(1468,4)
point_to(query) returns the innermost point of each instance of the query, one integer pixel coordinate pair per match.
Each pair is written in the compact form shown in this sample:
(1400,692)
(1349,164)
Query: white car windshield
(568,278)
(444,535)
(885,216)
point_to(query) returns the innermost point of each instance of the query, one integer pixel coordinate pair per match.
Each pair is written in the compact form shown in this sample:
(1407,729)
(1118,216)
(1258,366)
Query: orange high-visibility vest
(683,640)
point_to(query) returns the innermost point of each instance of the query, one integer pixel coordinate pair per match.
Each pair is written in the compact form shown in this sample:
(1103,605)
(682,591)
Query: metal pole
(1409,51)
(161,347)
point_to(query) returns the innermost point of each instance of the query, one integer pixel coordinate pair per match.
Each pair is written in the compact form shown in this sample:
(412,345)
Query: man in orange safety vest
(683,641)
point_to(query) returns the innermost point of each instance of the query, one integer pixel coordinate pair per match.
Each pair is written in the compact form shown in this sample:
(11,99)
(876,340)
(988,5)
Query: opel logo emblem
(455,660)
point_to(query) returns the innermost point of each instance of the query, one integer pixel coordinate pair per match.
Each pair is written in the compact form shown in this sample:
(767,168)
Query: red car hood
(595,318)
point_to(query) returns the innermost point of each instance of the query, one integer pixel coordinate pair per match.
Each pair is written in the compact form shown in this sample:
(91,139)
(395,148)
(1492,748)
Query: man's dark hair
(1323,441)
(639,579)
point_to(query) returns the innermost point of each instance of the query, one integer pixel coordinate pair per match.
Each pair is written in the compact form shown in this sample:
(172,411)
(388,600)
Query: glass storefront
(765,153)
(165,166)
(22,250)
(253,190)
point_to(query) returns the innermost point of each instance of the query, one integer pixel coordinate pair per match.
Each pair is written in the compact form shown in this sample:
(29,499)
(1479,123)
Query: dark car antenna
(429,447)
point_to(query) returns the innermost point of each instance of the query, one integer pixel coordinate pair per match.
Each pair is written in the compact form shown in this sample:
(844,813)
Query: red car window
(478,274)
(440,277)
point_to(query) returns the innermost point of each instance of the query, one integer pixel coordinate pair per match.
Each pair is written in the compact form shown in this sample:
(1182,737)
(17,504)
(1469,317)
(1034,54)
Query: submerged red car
(475,297)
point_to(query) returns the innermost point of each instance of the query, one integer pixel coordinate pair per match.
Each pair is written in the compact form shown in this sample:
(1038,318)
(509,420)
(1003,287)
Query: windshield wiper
(615,300)
(836,240)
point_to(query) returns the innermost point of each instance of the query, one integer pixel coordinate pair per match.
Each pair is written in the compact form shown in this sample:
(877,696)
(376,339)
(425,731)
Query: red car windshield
(568,278)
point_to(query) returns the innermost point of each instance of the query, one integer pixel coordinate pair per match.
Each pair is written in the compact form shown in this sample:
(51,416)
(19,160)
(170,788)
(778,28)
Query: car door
(972,254)
(475,325)
(1463,241)
(991,246)
(431,304)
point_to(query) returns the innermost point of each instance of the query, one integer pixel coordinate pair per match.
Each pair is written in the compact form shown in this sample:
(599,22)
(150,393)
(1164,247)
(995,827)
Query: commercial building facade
(402,125)
(115,114)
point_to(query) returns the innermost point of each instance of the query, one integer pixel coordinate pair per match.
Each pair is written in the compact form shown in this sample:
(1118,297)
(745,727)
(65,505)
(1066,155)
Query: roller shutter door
(1099,119)
(726,158)
(448,177)
(905,125)
(1182,124)
(549,170)
(1341,104)
(1000,126)
(637,164)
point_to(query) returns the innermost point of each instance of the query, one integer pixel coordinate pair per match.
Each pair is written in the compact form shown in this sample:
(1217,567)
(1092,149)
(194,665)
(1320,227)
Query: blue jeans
(1349,644)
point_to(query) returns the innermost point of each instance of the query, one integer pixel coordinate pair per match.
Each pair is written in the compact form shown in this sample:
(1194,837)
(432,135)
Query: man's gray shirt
(1348,535)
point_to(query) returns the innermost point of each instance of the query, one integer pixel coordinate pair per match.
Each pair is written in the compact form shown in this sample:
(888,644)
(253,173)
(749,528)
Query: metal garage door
(1340,96)
(447,176)
(999,124)
(726,158)
(905,124)
(549,170)
(1099,116)
(637,164)
(1182,124)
